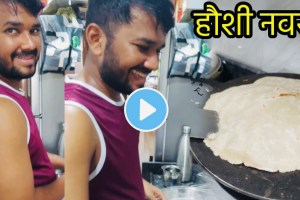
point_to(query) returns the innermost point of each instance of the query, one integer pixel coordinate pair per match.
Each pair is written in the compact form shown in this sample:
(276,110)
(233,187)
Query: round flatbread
(259,124)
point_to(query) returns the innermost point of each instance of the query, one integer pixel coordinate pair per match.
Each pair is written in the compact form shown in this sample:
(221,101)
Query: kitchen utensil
(248,181)
(172,175)
(183,193)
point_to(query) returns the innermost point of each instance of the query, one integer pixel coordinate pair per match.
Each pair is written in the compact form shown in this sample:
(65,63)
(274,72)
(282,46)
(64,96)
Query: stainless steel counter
(210,188)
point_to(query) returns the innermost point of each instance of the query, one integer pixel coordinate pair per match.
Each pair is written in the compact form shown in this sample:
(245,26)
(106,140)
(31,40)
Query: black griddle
(248,181)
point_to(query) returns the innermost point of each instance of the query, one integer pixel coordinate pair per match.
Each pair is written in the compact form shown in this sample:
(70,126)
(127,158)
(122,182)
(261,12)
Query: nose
(152,61)
(28,42)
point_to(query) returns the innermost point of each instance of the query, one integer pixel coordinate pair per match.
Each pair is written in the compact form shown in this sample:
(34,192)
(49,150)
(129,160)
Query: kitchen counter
(212,190)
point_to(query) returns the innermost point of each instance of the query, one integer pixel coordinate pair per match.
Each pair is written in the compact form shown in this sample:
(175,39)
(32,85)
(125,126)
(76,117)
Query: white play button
(146,109)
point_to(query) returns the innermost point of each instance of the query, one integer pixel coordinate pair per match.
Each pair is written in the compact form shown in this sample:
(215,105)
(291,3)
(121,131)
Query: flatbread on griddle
(259,124)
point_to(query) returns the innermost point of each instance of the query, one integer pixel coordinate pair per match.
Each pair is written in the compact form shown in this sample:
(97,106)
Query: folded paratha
(259,124)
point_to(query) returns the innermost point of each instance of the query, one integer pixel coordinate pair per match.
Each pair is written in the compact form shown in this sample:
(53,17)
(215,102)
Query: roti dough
(259,124)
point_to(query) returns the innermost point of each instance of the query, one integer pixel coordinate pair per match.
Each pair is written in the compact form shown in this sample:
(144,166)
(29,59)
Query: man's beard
(112,75)
(115,77)
(13,72)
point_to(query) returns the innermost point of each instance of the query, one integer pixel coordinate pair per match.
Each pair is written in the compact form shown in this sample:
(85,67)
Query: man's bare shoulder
(80,135)
(78,119)
(12,117)
(7,104)
(76,114)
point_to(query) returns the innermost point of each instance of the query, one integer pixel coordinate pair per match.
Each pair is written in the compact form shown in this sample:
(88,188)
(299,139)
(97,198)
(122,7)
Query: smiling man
(124,38)
(25,170)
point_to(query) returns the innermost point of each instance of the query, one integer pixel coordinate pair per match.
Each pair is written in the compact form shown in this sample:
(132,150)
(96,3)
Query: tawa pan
(251,182)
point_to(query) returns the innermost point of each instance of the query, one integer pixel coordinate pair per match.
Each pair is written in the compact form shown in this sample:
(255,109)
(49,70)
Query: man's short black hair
(32,6)
(111,13)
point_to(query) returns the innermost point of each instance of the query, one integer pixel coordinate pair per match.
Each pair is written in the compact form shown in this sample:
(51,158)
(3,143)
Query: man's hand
(57,161)
(152,192)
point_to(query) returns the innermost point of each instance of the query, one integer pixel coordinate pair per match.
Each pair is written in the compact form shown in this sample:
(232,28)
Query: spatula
(209,125)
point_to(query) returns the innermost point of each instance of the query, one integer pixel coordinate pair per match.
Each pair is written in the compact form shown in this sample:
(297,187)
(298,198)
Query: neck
(16,84)
(93,78)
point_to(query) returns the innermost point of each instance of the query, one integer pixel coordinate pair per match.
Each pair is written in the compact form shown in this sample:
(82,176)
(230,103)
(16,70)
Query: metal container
(172,175)
(184,157)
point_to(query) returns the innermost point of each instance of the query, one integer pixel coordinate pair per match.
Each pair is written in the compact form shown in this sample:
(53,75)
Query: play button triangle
(146,109)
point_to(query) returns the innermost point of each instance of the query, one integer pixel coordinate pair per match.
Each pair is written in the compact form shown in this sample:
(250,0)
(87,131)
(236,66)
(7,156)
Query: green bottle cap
(75,41)
(204,48)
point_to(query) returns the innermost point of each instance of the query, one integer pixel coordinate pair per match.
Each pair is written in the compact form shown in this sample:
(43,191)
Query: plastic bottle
(184,157)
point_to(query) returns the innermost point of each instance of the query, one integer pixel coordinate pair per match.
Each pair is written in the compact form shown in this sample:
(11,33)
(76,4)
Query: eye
(11,31)
(35,30)
(143,48)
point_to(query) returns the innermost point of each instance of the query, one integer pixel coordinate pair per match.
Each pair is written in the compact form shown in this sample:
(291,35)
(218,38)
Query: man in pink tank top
(26,172)
(123,39)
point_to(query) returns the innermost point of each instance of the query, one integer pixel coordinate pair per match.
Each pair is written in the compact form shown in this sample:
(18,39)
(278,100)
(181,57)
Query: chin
(27,75)
(27,72)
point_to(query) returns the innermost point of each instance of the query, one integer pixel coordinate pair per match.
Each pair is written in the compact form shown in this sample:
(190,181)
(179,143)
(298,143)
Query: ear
(95,39)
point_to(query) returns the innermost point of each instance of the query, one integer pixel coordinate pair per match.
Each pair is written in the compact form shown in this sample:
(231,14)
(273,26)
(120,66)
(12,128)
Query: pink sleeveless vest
(118,174)
(43,170)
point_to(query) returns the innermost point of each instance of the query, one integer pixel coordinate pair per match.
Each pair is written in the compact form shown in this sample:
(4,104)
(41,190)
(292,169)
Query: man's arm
(57,161)
(80,143)
(16,177)
(152,192)
(16,174)
(52,191)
